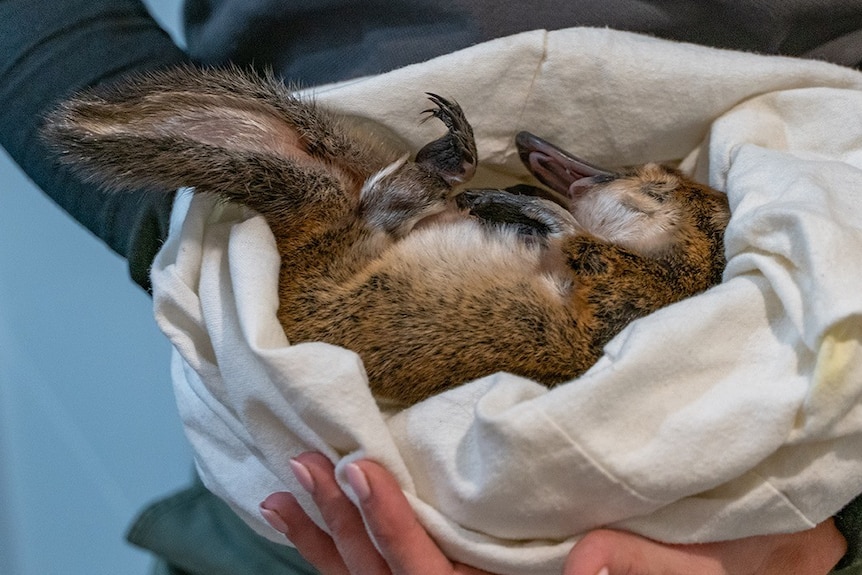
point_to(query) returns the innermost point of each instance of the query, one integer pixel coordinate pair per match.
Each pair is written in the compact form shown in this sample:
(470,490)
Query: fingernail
(274,519)
(604,571)
(358,481)
(303,475)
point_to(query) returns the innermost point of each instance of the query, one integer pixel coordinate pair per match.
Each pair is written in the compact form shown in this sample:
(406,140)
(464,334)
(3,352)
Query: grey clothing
(48,48)
(327,40)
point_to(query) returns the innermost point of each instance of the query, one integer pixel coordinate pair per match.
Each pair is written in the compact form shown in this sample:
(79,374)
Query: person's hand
(404,548)
(811,552)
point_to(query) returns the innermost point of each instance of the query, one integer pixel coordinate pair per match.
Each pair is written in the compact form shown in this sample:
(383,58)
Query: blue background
(89,433)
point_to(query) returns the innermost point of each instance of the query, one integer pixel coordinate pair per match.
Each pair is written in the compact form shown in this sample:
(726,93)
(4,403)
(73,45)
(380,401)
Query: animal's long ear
(227,132)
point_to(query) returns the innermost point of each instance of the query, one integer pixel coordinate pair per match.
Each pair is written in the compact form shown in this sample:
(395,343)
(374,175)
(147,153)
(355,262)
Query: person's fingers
(811,552)
(590,556)
(405,548)
(316,474)
(401,539)
(825,544)
(283,512)
(621,553)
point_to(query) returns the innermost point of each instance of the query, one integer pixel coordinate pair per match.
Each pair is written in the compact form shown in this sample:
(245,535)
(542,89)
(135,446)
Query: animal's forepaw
(452,157)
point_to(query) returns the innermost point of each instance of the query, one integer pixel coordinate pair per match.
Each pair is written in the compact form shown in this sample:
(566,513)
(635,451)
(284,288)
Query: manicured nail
(274,519)
(303,475)
(358,482)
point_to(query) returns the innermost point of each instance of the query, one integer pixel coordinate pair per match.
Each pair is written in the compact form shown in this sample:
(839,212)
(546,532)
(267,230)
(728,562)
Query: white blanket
(732,413)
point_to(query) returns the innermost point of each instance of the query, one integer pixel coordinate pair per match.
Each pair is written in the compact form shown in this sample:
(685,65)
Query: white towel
(732,413)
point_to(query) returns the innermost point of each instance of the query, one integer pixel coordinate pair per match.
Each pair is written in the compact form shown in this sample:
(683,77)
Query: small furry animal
(383,255)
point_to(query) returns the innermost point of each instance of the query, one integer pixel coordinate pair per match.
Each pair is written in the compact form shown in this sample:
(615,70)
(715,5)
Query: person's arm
(51,48)
(849,523)
(404,547)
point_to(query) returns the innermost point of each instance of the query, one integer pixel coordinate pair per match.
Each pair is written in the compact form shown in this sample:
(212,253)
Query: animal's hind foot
(529,215)
(452,157)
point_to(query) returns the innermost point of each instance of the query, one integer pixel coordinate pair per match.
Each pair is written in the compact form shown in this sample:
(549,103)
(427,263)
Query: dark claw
(453,156)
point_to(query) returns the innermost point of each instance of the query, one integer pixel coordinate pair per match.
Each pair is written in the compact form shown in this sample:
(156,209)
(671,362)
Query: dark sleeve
(849,523)
(50,48)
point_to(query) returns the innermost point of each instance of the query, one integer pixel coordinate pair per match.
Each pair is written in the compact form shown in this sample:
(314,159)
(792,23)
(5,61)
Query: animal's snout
(558,169)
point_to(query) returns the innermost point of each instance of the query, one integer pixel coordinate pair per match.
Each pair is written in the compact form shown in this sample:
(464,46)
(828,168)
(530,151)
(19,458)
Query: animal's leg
(452,157)
(530,215)
(617,284)
(396,198)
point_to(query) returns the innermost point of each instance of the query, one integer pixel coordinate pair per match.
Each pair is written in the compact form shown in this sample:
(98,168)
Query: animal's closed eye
(655,194)
(604,178)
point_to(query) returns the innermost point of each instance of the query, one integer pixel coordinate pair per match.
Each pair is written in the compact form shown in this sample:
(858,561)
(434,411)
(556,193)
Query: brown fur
(427,307)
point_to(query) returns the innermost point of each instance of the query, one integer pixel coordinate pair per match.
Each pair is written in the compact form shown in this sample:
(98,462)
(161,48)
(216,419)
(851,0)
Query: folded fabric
(732,413)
